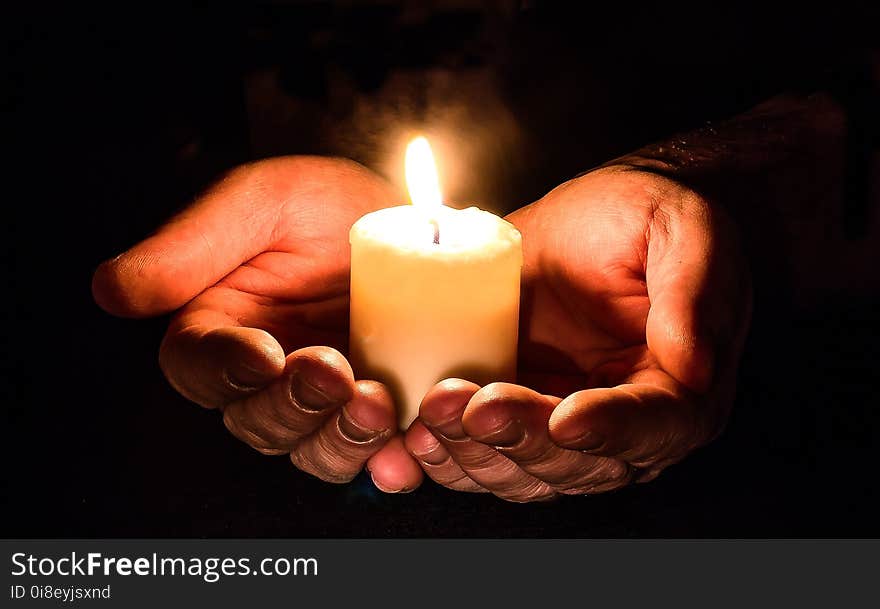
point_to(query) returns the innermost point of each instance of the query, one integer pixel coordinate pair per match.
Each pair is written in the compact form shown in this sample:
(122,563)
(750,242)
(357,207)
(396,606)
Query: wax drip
(436,226)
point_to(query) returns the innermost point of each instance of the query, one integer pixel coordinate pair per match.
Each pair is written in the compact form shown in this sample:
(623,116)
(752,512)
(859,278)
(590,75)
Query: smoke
(474,133)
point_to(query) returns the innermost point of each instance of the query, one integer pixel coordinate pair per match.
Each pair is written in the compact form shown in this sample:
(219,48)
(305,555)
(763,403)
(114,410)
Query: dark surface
(120,118)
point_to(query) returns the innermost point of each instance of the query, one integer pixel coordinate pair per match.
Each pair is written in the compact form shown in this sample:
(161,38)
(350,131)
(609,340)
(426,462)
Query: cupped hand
(636,304)
(258,268)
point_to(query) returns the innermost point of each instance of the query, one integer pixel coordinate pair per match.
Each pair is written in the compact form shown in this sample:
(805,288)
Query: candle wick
(436,226)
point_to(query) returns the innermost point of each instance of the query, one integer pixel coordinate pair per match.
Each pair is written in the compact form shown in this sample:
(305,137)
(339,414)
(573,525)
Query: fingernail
(589,440)
(354,431)
(388,490)
(308,396)
(449,429)
(510,433)
(429,453)
(244,376)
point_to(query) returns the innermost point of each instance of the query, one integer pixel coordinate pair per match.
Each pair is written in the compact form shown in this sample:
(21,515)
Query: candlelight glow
(421,175)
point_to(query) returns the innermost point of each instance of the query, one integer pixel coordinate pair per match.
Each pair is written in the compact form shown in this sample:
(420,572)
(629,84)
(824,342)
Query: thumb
(689,279)
(231,223)
(679,337)
(276,202)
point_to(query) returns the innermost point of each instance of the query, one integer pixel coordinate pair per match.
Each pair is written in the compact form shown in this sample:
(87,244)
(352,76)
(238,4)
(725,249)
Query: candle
(434,292)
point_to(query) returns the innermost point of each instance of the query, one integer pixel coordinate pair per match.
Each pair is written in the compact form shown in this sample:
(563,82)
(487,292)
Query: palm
(258,268)
(296,287)
(298,292)
(585,297)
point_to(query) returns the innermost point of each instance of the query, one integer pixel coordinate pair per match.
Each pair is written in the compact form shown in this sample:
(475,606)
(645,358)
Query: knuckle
(252,432)
(527,492)
(322,456)
(447,475)
(507,481)
(609,485)
(617,471)
(676,442)
(305,461)
(609,475)
(481,460)
(531,452)
(182,375)
(280,416)
(232,421)
(566,468)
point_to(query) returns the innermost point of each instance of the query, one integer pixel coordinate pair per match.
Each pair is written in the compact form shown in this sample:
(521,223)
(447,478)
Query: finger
(317,381)
(441,412)
(691,287)
(209,359)
(436,460)
(393,470)
(514,420)
(338,450)
(233,222)
(647,425)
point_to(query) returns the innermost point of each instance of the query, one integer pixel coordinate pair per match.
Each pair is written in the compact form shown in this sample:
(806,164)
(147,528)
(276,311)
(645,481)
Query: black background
(120,115)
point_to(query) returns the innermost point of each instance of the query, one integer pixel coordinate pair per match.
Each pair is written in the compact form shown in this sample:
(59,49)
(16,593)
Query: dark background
(118,116)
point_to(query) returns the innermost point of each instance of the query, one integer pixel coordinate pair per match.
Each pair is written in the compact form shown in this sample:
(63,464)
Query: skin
(635,307)
(636,303)
(258,268)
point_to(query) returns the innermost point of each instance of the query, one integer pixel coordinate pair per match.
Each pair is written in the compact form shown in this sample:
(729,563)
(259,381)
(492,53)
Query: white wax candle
(424,311)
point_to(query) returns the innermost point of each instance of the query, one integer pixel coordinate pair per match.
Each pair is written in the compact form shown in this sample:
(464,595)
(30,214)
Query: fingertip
(372,406)
(487,413)
(419,440)
(574,422)
(255,357)
(561,413)
(495,392)
(316,358)
(495,413)
(141,283)
(446,400)
(393,469)
(107,289)
(320,377)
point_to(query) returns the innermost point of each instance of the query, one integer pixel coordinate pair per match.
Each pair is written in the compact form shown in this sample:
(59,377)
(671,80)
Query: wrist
(784,173)
(784,137)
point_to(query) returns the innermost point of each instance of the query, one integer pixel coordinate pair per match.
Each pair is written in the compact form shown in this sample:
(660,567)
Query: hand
(636,303)
(260,267)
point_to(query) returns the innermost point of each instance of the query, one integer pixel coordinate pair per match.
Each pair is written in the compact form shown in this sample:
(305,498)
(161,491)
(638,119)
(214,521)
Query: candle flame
(421,175)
